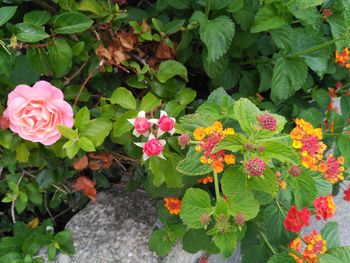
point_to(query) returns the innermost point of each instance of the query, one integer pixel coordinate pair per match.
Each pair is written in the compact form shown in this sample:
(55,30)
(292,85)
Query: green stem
(268,243)
(295,253)
(333,134)
(280,208)
(207,7)
(274,138)
(216,183)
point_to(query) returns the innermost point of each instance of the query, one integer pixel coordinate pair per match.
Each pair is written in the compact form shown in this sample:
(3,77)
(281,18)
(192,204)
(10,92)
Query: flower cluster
(315,245)
(296,220)
(144,126)
(255,167)
(347,194)
(332,168)
(325,207)
(343,58)
(173,205)
(281,183)
(209,137)
(308,140)
(267,122)
(206,180)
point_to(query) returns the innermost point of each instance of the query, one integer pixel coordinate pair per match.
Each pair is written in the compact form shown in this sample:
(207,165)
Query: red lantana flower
(296,220)
(325,207)
(347,194)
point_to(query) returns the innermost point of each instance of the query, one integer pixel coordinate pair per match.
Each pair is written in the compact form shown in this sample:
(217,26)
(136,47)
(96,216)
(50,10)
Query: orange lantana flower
(173,205)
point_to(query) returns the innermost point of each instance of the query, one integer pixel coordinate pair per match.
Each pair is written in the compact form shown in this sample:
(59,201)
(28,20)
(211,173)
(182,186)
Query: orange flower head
(206,180)
(296,246)
(230,159)
(217,126)
(315,245)
(199,134)
(332,168)
(297,133)
(229,131)
(217,166)
(343,57)
(173,205)
(325,207)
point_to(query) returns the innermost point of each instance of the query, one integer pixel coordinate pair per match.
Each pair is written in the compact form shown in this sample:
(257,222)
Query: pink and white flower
(165,124)
(152,147)
(141,124)
(34,112)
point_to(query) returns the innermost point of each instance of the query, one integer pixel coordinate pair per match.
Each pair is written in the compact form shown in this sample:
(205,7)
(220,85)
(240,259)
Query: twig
(14,201)
(46,6)
(48,210)
(86,81)
(68,80)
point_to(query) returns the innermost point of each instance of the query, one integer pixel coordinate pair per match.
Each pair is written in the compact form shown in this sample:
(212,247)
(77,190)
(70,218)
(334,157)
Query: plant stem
(274,138)
(207,7)
(333,134)
(268,243)
(280,208)
(216,182)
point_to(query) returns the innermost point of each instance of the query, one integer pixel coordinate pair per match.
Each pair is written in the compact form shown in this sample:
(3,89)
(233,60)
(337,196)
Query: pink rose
(34,112)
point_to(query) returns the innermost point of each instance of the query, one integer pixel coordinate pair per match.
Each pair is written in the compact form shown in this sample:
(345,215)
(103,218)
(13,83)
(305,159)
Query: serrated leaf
(159,243)
(266,183)
(245,203)
(217,35)
(342,253)
(304,189)
(226,242)
(281,258)
(330,232)
(288,76)
(302,4)
(233,143)
(193,121)
(279,151)
(190,241)
(267,18)
(191,165)
(245,112)
(194,204)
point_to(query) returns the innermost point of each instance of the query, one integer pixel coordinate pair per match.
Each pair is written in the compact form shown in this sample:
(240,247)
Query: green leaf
(38,58)
(194,204)
(312,115)
(266,183)
(233,181)
(72,148)
(302,4)
(159,243)
(235,6)
(149,102)
(6,13)
(29,32)
(60,54)
(97,130)
(45,178)
(245,203)
(343,144)
(321,97)
(82,117)
(191,165)
(288,76)
(22,153)
(186,96)
(179,4)
(93,6)
(279,151)
(267,18)
(233,143)
(226,242)
(190,241)
(273,222)
(21,202)
(68,132)
(173,108)
(51,252)
(326,258)
(330,232)
(221,98)
(339,28)
(85,144)
(193,121)
(217,35)
(37,17)
(173,26)
(281,258)
(124,98)
(345,107)
(342,253)
(10,244)
(304,188)
(70,23)
(245,112)
(121,125)
(171,68)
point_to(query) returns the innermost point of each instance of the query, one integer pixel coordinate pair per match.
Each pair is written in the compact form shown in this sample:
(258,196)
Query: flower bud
(249,146)
(184,140)
(295,170)
(239,219)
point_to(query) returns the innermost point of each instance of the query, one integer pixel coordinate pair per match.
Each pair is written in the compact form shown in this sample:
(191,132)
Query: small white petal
(163,113)
(132,121)
(136,133)
(151,136)
(145,133)
(154,121)
(172,131)
(161,156)
(162,142)
(141,114)
(140,144)
(145,157)
(173,120)
(160,132)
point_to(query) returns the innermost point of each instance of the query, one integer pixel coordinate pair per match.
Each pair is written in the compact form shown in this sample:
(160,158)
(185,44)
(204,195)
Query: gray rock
(116,230)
